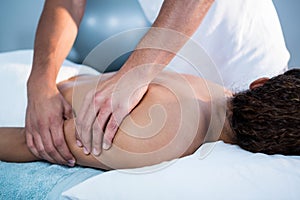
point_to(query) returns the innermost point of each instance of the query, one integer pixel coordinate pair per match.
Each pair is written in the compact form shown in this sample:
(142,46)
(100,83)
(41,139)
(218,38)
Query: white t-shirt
(243,38)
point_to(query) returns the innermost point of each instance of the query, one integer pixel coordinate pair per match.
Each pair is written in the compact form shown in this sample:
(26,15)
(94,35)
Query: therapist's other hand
(45,116)
(104,109)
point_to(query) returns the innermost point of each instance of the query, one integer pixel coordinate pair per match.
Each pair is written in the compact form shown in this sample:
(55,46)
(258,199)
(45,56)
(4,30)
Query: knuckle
(58,142)
(112,126)
(86,139)
(107,103)
(30,145)
(96,128)
(49,149)
(51,152)
(55,120)
(96,100)
(41,124)
(41,151)
(102,112)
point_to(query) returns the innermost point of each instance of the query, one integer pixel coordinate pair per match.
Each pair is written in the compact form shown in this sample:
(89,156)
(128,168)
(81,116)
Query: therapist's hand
(45,115)
(104,109)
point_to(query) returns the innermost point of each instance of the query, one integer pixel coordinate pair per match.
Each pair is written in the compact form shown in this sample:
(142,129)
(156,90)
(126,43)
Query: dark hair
(267,119)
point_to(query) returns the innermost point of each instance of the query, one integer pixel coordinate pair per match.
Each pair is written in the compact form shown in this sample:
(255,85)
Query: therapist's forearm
(56,33)
(178,20)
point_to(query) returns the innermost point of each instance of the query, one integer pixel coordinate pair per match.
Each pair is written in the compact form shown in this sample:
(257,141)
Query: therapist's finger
(85,120)
(29,136)
(52,152)
(99,126)
(112,126)
(30,144)
(44,144)
(48,146)
(40,148)
(104,114)
(68,111)
(61,150)
(97,137)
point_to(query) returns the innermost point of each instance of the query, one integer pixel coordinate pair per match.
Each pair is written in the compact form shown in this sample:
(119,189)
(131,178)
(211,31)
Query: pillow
(215,171)
(15,68)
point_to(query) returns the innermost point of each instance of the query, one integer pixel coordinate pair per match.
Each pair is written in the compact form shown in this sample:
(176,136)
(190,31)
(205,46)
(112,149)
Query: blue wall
(12,12)
(289,15)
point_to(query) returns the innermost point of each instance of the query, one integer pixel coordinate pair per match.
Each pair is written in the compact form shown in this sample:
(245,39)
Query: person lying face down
(177,115)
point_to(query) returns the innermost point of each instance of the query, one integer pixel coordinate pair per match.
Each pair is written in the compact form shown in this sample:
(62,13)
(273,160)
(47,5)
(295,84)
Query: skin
(171,121)
(47,108)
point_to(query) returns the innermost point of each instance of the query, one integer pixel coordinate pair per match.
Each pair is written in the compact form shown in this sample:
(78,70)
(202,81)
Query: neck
(220,128)
(227,134)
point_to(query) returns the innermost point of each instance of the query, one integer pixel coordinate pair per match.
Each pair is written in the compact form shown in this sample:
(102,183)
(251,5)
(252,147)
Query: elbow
(77,8)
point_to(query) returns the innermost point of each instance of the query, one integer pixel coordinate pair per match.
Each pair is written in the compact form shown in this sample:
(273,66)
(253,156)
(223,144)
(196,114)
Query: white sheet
(227,172)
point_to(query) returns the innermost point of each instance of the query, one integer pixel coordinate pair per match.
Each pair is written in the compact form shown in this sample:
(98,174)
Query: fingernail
(71,163)
(105,146)
(85,151)
(96,152)
(79,144)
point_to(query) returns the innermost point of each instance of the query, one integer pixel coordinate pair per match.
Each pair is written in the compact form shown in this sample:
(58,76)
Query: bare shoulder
(202,89)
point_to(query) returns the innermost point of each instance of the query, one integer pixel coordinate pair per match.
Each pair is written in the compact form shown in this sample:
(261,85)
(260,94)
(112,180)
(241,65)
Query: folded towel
(39,180)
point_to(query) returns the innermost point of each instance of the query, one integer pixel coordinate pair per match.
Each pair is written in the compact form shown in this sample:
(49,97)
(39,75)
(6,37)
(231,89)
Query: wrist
(40,84)
(40,80)
(42,75)
(143,73)
(44,68)
(146,63)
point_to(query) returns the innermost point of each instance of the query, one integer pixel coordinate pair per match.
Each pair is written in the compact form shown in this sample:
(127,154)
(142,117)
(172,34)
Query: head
(266,118)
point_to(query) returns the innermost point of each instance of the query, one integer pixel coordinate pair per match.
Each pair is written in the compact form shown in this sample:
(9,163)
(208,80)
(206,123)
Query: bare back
(170,122)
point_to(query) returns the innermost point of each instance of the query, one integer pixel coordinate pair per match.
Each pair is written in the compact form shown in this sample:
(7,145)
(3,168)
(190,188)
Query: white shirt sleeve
(151,8)
(243,39)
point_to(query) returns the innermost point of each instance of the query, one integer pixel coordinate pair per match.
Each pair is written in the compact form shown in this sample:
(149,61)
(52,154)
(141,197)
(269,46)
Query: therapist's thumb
(68,111)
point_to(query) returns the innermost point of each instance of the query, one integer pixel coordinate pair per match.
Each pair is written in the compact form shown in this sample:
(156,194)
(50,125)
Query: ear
(257,83)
